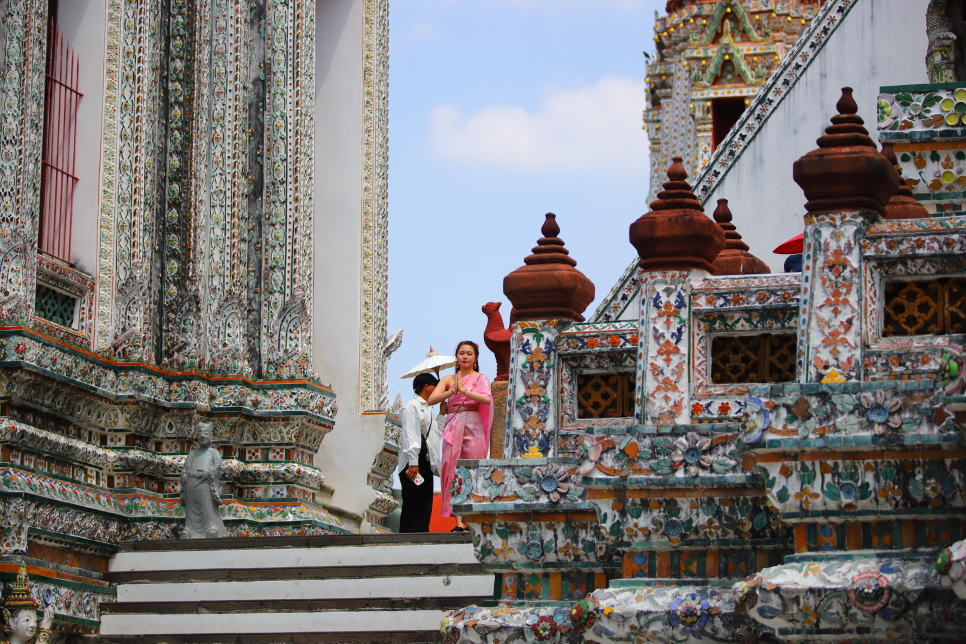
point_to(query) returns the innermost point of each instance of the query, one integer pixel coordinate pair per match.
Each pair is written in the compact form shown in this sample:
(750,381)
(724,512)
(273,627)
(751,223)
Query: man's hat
(20,597)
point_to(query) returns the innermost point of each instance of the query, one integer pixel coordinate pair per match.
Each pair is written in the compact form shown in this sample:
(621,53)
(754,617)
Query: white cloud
(423,32)
(595,127)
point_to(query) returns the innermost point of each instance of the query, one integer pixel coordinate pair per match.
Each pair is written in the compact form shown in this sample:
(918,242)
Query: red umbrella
(792,246)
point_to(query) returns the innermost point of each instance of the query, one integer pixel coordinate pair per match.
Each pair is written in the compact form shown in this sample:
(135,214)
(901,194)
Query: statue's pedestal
(498,428)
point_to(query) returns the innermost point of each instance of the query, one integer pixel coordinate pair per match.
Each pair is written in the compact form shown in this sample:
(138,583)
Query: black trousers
(417,500)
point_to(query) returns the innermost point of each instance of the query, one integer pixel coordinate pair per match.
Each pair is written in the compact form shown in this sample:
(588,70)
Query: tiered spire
(903,204)
(846,172)
(735,259)
(676,235)
(20,597)
(547,286)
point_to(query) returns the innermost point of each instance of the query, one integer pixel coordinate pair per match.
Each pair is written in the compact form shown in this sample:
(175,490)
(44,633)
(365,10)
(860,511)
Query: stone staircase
(346,588)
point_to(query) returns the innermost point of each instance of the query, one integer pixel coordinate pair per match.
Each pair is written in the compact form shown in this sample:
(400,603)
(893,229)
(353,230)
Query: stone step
(409,637)
(215,627)
(288,589)
(258,543)
(345,588)
(294,558)
(325,572)
(279,606)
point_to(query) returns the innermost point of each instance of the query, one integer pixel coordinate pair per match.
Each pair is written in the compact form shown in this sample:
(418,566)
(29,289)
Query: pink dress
(467,432)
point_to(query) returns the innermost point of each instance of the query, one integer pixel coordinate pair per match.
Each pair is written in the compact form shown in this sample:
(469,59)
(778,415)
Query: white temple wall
(880,42)
(83,22)
(347,452)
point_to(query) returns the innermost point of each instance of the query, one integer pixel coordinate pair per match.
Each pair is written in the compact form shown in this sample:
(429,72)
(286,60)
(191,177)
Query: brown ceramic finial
(846,172)
(735,258)
(903,204)
(496,336)
(676,235)
(547,286)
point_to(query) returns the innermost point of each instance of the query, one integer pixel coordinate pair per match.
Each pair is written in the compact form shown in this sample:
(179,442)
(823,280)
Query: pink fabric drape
(467,434)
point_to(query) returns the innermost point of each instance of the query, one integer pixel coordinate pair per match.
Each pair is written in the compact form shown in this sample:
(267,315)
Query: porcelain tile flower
(552,481)
(755,420)
(882,414)
(870,592)
(690,613)
(588,452)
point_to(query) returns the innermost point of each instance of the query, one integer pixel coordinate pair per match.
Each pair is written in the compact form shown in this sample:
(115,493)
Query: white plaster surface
(299,589)
(294,557)
(318,622)
(347,452)
(880,42)
(83,23)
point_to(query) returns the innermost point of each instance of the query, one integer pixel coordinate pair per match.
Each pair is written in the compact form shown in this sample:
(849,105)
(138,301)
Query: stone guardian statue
(201,489)
(20,614)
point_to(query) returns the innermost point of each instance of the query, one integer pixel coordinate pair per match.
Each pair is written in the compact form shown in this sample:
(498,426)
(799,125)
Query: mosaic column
(531,400)
(847,183)
(375,347)
(186,50)
(22,65)
(128,266)
(229,116)
(663,373)
(830,330)
(547,293)
(677,244)
(286,334)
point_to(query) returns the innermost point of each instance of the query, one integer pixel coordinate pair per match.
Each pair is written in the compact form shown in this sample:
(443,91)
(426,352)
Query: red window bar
(60,137)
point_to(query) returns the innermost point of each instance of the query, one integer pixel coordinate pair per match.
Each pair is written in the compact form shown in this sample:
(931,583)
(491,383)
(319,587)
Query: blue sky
(501,111)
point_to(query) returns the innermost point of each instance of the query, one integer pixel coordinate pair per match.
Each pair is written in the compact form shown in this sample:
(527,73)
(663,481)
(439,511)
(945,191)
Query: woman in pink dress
(469,408)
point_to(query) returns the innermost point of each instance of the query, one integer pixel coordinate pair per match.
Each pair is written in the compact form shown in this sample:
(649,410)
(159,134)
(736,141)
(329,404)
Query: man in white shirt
(419,439)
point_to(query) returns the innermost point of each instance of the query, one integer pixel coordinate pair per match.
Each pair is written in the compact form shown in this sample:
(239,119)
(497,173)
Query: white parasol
(433,363)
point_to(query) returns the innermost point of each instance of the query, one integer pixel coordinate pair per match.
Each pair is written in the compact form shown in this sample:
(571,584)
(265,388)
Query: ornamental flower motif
(848,491)
(551,481)
(533,550)
(951,566)
(806,496)
(544,629)
(755,420)
(870,592)
(745,593)
(690,613)
(458,488)
(588,452)
(691,454)
(886,111)
(583,615)
(881,414)
(673,528)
